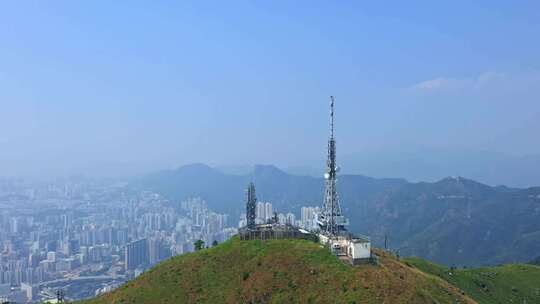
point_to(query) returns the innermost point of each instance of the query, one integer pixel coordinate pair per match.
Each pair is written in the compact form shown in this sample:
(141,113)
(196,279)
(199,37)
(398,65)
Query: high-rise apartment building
(136,254)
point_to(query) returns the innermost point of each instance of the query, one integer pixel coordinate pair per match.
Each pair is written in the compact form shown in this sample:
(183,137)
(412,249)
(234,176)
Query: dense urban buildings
(87,237)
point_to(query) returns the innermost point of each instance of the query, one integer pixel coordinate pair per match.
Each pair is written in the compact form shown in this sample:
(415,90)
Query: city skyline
(87,238)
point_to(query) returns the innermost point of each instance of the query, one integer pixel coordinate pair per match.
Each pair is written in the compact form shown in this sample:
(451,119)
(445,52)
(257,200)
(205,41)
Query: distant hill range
(454,221)
(431,165)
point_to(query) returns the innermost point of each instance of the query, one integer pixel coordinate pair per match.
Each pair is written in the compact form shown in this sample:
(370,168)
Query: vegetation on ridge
(513,283)
(280,271)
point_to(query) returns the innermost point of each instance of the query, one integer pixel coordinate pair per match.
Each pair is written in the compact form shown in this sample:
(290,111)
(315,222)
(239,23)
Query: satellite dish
(338,168)
(326,175)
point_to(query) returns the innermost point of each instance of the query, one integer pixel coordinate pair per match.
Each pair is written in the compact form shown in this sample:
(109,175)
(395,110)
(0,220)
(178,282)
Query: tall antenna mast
(331,221)
(332,117)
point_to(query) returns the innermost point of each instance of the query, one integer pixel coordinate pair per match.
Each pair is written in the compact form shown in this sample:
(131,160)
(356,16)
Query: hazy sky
(84,84)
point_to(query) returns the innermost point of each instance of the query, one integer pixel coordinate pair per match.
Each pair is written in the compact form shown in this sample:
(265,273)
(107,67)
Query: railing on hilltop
(270,232)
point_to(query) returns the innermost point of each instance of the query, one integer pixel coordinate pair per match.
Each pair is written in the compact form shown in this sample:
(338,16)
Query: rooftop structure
(271,228)
(275,231)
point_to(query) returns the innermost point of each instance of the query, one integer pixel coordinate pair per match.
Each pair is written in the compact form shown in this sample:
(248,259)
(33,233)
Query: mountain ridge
(454,221)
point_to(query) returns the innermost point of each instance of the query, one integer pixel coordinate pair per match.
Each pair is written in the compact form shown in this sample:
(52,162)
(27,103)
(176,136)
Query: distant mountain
(235,169)
(458,221)
(225,192)
(198,180)
(432,165)
(452,221)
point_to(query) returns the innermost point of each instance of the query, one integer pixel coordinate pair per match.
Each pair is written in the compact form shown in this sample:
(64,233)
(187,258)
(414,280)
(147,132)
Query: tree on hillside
(214,243)
(199,244)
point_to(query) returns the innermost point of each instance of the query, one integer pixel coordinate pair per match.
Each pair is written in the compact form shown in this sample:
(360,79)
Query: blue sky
(165,83)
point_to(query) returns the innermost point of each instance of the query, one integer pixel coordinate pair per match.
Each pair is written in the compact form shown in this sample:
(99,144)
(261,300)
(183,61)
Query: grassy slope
(280,271)
(513,283)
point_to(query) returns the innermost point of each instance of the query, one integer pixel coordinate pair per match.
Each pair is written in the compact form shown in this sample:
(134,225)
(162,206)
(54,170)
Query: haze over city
(269,152)
(103,88)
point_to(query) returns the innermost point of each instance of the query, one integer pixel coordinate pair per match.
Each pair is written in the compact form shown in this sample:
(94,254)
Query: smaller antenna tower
(251,204)
(60,296)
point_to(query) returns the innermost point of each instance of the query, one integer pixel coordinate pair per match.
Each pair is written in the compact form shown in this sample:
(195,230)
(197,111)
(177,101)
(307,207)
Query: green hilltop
(281,271)
(300,271)
(512,283)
